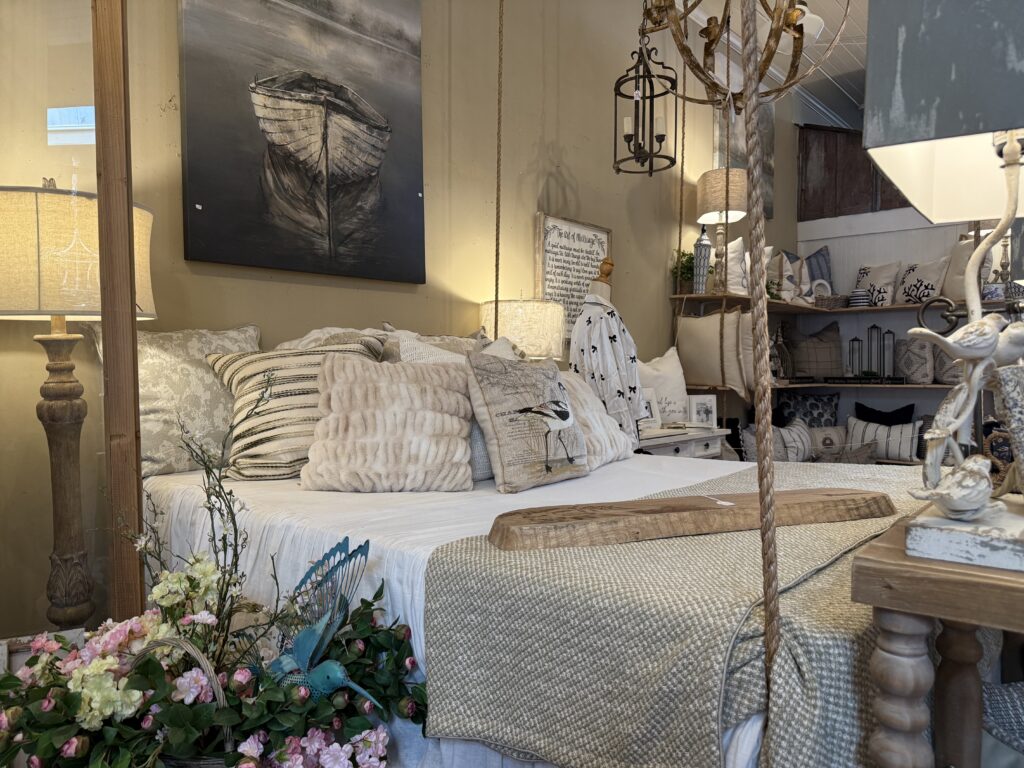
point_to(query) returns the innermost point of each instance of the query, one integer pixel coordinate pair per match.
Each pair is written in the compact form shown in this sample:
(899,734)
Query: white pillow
(390,427)
(738,274)
(701,342)
(792,443)
(606,442)
(959,255)
(920,282)
(880,283)
(896,443)
(665,376)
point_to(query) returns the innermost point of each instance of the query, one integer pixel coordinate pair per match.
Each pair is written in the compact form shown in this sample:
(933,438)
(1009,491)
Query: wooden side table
(692,442)
(908,594)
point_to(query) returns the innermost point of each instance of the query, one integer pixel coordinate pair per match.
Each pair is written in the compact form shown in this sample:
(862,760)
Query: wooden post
(958,696)
(117,295)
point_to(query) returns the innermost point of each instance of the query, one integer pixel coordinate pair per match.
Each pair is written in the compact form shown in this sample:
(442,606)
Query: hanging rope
(727,113)
(762,367)
(682,156)
(497,165)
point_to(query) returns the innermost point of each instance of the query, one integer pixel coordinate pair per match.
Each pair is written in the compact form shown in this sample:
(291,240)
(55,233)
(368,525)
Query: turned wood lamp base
(62,412)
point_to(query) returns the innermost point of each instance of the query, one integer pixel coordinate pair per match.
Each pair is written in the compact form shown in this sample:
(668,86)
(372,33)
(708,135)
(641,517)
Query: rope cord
(727,111)
(682,156)
(762,366)
(497,165)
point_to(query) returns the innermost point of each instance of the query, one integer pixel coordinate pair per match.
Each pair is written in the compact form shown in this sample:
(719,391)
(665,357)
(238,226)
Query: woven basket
(218,695)
(840,301)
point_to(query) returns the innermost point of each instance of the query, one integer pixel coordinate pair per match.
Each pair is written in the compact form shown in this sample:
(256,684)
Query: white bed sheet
(404,529)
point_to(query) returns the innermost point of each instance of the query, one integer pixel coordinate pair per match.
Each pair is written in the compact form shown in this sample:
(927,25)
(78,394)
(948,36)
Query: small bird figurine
(1011,345)
(975,341)
(965,493)
(323,597)
(556,416)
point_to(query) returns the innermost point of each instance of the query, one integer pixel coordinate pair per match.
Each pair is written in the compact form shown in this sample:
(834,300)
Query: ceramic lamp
(721,200)
(536,326)
(49,257)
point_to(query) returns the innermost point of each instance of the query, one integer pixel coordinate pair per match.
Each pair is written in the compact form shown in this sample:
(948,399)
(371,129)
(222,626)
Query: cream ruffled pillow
(606,442)
(390,427)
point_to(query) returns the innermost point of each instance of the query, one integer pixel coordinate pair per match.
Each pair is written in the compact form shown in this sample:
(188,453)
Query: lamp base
(62,412)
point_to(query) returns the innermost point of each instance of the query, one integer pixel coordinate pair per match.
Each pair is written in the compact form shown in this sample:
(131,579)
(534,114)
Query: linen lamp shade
(713,207)
(49,255)
(942,78)
(535,325)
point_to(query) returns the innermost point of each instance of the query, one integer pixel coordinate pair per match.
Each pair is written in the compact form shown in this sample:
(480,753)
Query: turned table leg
(903,674)
(958,697)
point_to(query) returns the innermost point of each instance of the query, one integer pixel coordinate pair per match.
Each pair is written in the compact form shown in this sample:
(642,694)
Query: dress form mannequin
(602,284)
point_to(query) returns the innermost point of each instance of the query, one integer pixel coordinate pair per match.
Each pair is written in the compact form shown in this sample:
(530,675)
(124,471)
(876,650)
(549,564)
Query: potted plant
(682,272)
(189,682)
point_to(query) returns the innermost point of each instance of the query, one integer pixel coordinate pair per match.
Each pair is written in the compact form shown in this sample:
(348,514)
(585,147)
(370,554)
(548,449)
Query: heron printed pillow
(524,410)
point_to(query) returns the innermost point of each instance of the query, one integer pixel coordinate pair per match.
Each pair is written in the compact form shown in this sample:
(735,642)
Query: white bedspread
(404,528)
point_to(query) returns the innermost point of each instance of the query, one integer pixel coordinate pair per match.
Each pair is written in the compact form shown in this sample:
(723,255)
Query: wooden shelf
(822,385)
(733,300)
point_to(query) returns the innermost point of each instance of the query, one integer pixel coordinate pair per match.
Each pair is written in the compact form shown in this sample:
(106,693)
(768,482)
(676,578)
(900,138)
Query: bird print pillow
(524,411)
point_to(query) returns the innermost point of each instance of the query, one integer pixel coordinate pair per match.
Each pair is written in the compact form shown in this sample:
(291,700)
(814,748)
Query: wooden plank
(583,525)
(855,175)
(817,174)
(886,577)
(117,295)
(889,195)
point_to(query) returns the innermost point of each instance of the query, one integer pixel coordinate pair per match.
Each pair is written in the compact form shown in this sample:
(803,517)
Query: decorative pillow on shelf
(948,370)
(819,355)
(815,410)
(880,283)
(272,439)
(902,415)
(895,443)
(665,376)
(526,417)
(606,442)
(713,345)
(175,381)
(959,255)
(818,266)
(914,361)
(786,274)
(791,443)
(831,440)
(737,276)
(390,427)
(920,282)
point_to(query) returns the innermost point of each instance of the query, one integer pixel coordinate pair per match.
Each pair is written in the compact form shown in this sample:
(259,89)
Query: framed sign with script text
(568,255)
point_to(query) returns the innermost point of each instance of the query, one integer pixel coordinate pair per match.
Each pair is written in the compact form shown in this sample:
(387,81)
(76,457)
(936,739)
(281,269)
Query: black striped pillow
(271,440)
(895,443)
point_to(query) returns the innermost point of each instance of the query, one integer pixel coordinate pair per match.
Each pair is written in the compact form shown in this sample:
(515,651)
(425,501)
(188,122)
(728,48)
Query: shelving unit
(822,385)
(732,300)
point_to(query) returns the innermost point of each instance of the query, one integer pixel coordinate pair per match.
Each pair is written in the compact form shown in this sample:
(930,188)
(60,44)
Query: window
(70,125)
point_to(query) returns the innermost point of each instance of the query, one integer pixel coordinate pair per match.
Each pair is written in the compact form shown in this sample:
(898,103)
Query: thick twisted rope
(682,156)
(497,165)
(762,368)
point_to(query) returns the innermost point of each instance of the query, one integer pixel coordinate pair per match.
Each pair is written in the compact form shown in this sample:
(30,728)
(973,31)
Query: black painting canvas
(302,137)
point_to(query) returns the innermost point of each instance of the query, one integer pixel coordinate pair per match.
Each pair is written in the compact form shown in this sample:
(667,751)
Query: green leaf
(228,717)
(288,719)
(273,694)
(9,683)
(178,716)
(138,683)
(124,759)
(59,735)
(202,716)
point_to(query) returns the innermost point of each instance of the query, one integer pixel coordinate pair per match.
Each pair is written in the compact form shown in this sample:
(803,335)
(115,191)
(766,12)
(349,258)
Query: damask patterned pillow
(914,361)
(175,381)
(815,410)
(880,283)
(919,282)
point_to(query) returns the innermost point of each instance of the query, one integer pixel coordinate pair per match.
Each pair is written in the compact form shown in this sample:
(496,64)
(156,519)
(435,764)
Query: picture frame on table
(653,418)
(704,411)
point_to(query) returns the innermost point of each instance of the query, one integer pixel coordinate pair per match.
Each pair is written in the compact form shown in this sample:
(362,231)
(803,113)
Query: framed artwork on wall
(568,254)
(704,411)
(302,149)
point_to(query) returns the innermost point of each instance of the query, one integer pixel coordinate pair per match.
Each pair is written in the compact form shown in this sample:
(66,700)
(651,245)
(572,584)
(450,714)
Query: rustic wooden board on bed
(584,525)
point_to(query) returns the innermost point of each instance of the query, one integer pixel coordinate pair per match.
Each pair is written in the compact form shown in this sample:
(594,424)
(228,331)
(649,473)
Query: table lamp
(536,326)
(721,200)
(49,258)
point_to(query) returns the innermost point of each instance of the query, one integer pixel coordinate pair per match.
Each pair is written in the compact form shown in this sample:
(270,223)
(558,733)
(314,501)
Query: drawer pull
(707,446)
(676,449)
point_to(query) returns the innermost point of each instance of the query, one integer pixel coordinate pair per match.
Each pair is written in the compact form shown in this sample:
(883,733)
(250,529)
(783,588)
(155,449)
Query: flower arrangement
(189,679)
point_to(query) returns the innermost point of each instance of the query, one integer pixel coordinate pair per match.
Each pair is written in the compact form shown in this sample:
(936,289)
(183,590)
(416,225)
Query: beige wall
(561,60)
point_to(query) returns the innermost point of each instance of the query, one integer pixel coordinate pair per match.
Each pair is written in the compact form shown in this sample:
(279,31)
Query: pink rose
(148,722)
(4,725)
(410,664)
(406,706)
(34,761)
(47,704)
(364,705)
(357,647)
(76,746)
(301,694)
(43,644)
(242,676)
(403,632)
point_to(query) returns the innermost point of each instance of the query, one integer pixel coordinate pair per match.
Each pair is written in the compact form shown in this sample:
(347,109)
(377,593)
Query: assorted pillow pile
(374,410)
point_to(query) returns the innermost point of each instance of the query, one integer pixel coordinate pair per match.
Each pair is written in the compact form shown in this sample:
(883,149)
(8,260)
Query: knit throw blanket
(642,654)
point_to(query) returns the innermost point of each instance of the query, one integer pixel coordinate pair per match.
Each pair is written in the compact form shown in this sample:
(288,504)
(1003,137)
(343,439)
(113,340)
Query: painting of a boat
(321,125)
(315,163)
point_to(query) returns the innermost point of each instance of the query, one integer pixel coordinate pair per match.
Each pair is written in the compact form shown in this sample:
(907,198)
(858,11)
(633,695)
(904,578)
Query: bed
(404,529)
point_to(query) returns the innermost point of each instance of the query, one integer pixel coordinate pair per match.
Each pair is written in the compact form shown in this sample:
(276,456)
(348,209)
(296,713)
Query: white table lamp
(536,326)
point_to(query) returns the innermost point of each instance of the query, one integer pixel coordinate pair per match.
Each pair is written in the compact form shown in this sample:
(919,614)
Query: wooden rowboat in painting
(321,125)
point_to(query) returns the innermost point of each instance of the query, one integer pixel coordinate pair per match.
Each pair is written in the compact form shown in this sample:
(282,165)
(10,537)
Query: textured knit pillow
(526,417)
(665,376)
(914,361)
(819,355)
(896,443)
(880,283)
(919,282)
(815,410)
(272,437)
(175,382)
(606,442)
(390,427)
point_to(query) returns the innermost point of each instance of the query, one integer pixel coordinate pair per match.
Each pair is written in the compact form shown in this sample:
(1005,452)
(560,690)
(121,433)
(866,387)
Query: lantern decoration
(646,111)
(888,354)
(856,356)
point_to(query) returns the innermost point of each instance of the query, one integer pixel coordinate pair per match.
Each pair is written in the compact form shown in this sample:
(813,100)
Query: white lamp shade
(49,255)
(947,180)
(713,205)
(536,326)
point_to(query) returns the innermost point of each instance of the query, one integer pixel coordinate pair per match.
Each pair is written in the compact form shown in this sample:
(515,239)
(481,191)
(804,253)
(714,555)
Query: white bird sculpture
(1011,345)
(975,341)
(965,493)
